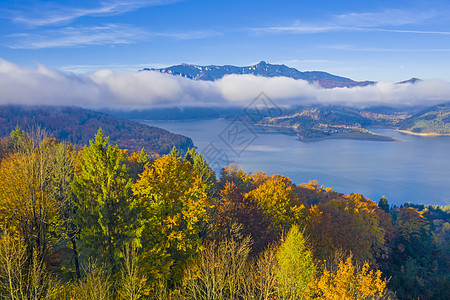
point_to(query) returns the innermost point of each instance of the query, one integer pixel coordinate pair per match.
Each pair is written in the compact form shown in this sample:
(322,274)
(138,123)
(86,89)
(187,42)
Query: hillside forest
(78,125)
(101,222)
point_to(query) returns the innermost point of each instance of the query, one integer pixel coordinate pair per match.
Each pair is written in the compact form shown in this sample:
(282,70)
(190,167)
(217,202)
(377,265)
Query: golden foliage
(278,199)
(348,282)
(174,209)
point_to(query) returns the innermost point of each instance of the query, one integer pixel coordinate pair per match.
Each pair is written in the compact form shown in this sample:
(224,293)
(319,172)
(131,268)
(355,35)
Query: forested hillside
(108,223)
(322,122)
(433,120)
(78,126)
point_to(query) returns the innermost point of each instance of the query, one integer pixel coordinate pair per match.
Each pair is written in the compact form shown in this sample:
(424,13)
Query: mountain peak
(411,80)
(213,72)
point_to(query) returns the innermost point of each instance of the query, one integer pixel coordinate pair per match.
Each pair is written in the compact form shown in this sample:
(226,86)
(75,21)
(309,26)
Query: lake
(416,169)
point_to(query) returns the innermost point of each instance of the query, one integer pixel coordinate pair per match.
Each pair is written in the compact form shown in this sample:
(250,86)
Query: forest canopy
(103,222)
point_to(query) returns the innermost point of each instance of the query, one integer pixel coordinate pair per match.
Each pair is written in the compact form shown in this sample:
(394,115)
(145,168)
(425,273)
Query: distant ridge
(433,120)
(412,81)
(213,72)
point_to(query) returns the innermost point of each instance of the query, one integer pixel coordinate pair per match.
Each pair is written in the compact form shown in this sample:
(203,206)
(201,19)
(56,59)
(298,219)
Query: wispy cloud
(298,29)
(388,17)
(373,49)
(309,29)
(370,21)
(53,14)
(108,34)
(189,35)
(412,31)
(303,61)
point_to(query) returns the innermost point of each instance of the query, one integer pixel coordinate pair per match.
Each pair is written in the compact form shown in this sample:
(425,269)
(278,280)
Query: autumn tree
(278,200)
(235,208)
(174,210)
(104,201)
(310,194)
(349,282)
(296,268)
(31,207)
(350,223)
(135,161)
(221,270)
(239,177)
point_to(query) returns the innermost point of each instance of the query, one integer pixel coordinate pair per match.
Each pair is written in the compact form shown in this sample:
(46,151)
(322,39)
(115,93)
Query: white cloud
(52,13)
(148,89)
(360,21)
(107,34)
(373,49)
(388,17)
(79,36)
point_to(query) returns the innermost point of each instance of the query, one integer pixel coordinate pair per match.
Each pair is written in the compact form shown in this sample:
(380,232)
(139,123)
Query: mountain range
(213,72)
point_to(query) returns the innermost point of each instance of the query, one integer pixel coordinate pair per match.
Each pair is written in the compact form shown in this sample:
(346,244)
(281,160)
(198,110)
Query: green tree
(17,139)
(174,153)
(383,204)
(296,267)
(207,175)
(104,201)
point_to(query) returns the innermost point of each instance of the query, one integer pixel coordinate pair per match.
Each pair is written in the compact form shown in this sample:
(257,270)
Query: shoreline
(431,134)
(369,136)
(351,136)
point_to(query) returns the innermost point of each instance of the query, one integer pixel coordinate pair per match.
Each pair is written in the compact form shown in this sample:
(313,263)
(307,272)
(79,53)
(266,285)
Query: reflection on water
(416,169)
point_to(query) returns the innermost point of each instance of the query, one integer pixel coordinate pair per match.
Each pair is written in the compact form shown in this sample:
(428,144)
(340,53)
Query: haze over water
(416,169)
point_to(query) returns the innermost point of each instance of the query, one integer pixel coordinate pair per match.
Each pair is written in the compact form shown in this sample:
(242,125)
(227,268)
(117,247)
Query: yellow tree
(30,205)
(31,183)
(349,282)
(239,177)
(278,200)
(174,209)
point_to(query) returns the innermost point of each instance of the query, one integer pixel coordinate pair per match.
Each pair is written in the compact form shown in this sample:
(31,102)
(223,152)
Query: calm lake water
(416,169)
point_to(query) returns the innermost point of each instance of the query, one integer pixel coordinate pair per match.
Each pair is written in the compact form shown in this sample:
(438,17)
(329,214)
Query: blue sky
(363,40)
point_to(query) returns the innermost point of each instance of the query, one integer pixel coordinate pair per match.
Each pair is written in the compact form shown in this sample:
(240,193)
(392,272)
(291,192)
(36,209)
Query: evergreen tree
(383,204)
(174,153)
(17,139)
(190,155)
(104,201)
